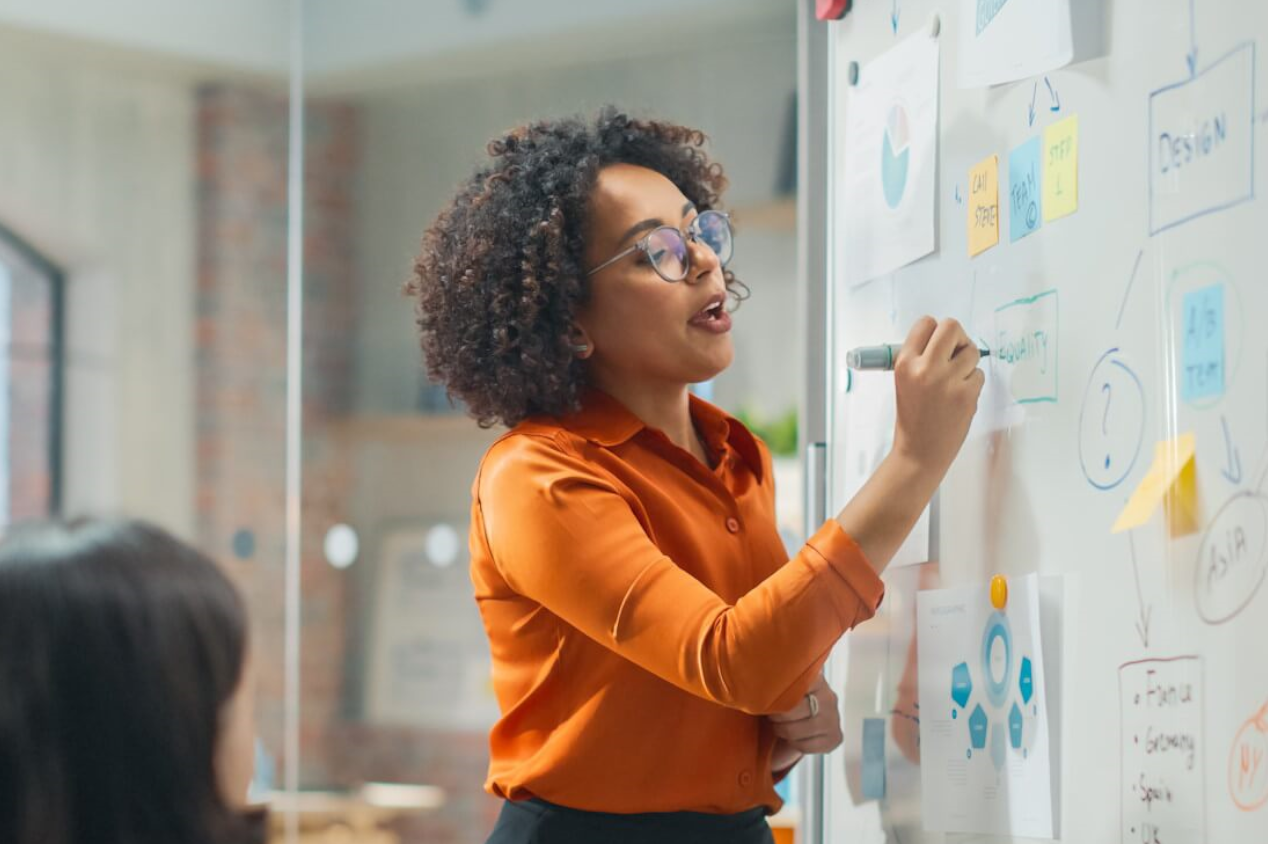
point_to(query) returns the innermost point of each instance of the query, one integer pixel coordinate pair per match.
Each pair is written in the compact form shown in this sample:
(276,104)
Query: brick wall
(30,394)
(241,382)
(241,308)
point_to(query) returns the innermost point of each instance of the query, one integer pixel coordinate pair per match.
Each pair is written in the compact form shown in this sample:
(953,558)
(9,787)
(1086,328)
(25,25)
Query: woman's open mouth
(713,317)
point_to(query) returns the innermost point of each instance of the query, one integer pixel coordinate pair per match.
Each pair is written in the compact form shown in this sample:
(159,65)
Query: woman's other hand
(807,728)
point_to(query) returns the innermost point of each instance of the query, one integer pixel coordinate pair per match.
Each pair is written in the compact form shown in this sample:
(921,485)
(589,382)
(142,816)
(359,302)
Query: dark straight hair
(119,646)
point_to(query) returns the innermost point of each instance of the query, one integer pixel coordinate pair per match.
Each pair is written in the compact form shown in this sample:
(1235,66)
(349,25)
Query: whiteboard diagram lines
(1205,165)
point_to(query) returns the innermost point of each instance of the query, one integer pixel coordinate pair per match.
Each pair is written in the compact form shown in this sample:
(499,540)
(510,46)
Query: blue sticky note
(1025,199)
(873,758)
(1202,346)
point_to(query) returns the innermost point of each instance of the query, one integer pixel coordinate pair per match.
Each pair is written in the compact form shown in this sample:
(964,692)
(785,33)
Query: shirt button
(733,525)
(746,778)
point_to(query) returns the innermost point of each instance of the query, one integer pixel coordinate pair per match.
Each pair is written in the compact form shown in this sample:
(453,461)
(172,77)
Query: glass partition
(150,219)
(143,257)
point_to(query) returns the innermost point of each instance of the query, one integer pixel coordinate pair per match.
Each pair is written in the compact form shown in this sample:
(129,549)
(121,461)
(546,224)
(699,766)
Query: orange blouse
(642,612)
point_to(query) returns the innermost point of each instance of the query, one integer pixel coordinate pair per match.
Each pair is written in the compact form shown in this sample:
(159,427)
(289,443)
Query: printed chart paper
(891,141)
(986,738)
(869,436)
(1006,40)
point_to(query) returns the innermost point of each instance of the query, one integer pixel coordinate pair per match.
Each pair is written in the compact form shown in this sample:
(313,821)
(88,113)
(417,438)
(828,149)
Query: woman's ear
(580,343)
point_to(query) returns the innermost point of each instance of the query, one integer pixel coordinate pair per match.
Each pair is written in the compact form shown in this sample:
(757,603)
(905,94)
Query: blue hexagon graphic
(1026,680)
(997,745)
(977,727)
(961,684)
(1014,726)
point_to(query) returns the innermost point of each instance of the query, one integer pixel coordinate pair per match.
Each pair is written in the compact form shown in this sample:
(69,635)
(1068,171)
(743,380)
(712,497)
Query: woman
(125,693)
(657,657)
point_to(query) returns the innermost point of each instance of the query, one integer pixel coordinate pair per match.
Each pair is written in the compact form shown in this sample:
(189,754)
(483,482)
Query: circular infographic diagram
(895,155)
(1008,684)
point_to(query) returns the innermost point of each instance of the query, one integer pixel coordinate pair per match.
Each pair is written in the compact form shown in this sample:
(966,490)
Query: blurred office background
(144,219)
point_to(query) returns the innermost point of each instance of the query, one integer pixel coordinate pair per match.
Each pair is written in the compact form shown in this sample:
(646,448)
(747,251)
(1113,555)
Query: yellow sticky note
(1061,168)
(984,205)
(1170,481)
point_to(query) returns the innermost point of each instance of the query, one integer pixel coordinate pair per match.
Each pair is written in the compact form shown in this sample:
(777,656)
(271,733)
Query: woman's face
(641,328)
(235,755)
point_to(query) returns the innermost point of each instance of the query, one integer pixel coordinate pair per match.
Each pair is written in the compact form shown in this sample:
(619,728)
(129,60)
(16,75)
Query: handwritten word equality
(1032,346)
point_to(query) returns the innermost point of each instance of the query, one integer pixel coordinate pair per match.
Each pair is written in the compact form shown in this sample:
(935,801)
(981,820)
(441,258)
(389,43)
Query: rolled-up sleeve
(566,536)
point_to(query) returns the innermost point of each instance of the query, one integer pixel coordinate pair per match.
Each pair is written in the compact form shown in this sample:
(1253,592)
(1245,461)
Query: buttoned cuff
(848,561)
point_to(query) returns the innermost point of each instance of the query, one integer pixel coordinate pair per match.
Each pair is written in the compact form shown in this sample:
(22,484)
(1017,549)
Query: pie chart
(895,155)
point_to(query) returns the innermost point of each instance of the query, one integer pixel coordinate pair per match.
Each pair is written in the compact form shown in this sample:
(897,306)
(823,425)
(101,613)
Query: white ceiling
(360,44)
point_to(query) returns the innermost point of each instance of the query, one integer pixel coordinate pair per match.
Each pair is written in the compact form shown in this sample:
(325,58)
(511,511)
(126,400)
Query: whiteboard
(1170,163)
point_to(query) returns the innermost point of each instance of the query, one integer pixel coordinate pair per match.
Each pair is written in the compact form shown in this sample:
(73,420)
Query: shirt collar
(605,421)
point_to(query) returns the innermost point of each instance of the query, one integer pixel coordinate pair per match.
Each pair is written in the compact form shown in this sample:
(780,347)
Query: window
(31,368)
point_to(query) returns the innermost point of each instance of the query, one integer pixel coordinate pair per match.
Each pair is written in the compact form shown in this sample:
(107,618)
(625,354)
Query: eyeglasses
(666,246)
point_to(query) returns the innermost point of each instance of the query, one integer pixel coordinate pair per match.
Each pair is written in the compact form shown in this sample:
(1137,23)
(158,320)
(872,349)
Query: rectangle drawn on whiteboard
(1025,348)
(1202,141)
(1161,749)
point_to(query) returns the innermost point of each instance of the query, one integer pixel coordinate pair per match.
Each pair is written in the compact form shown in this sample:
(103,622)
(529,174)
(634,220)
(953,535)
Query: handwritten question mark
(1109,393)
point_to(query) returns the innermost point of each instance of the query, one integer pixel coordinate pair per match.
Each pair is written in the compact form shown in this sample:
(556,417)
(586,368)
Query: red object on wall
(831,10)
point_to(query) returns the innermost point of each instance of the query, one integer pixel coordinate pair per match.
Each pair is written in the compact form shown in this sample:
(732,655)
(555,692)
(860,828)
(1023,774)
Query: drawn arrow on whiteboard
(1192,57)
(1056,100)
(1030,117)
(1142,624)
(1234,471)
(893,17)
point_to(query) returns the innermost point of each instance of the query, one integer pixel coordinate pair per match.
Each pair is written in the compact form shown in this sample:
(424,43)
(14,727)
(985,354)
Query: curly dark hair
(500,275)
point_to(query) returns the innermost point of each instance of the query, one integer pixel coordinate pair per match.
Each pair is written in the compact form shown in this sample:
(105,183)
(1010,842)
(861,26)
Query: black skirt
(538,822)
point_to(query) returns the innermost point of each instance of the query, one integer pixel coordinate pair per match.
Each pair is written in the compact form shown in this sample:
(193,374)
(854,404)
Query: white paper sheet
(870,413)
(891,142)
(1006,40)
(986,730)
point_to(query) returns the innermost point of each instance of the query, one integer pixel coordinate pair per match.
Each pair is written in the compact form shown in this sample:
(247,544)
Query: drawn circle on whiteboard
(1249,790)
(1231,561)
(1111,422)
(1188,279)
(997,659)
(895,154)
